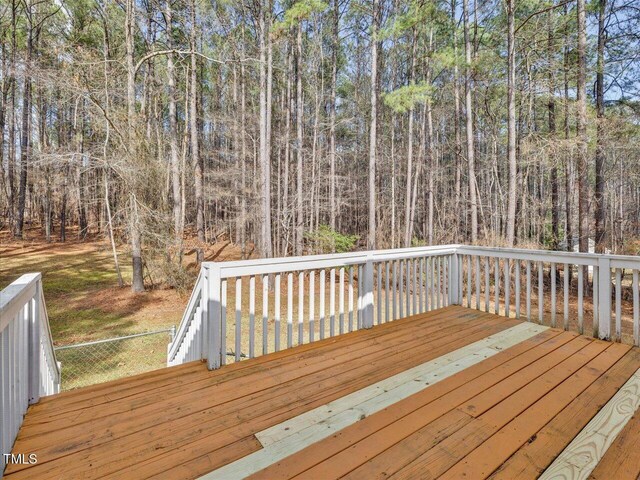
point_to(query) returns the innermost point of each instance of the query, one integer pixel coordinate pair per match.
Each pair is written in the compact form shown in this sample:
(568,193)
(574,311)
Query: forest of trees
(298,127)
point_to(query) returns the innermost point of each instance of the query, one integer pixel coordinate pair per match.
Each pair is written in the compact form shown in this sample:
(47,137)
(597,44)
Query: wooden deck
(454,393)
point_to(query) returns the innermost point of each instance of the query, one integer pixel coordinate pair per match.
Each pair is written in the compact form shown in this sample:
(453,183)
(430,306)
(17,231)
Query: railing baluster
(618,304)
(421,284)
(351,299)
(322,294)
(438,283)
(358,312)
(265,314)
(252,316)
(300,308)
(507,288)
(223,322)
(312,306)
(580,300)
(595,300)
(496,289)
(540,293)
(378,300)
(238,345)
(446,266)
(469,273)
(276,340)
(553,294)
(407,293)
(415,286)
(430,297)
(528,290)
(332,302)
(517,266)
(341,300)
(566,292)
(393,291)
(401,288)
(487,284)
(289,310)
(386,292)
(636,307)
(477,262)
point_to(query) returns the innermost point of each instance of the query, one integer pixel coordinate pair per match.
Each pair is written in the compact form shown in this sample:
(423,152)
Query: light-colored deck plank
(582,455)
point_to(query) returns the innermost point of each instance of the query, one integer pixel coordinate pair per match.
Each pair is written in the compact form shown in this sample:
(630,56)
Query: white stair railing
(28,366)
(187,344)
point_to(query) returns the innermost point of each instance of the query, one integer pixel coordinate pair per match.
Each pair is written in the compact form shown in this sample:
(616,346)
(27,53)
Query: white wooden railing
(248,308)
(531,284)
(28,366)
(271,304)
(188,342)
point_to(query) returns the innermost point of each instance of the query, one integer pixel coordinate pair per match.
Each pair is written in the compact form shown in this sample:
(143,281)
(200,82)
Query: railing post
(213,317)
(367,293)
(604,298)
(455,298)
(34,346)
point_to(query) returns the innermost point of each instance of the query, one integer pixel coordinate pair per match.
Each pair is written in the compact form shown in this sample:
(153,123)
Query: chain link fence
(89,363)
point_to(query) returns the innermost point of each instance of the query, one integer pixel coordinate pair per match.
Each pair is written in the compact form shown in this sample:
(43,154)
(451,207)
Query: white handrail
(28,366)
(383,285)
(190,327)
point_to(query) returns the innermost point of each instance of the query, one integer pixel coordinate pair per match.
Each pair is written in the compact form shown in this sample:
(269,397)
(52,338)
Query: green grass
(84,303)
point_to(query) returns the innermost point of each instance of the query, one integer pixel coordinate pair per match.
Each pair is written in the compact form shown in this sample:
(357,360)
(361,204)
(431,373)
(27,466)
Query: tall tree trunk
(581,128)
(600,135)
(568,170)
(511,124)
(555,216)
(469,118)
(197,161)
(332,115)
(299,140)
(373,137)
(173,136)
(25,137)
(456,123)
(265,129)
(407,202)
(137,282)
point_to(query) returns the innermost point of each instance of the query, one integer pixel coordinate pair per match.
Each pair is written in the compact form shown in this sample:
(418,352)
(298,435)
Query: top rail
(265,266)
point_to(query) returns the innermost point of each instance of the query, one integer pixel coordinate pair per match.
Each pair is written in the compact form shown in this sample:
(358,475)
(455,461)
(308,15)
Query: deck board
(508,416)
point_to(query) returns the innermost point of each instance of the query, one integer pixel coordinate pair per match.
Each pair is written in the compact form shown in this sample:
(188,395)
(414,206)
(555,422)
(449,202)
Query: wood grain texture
(622,460)
(185,421)
(581,456)
(156,429)
(389,426)
(293,435)
(542,448)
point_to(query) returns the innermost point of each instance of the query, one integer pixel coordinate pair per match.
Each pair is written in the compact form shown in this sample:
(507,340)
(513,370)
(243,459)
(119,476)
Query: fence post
(34,346)
(213,317)
(367,293)
(604,298)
